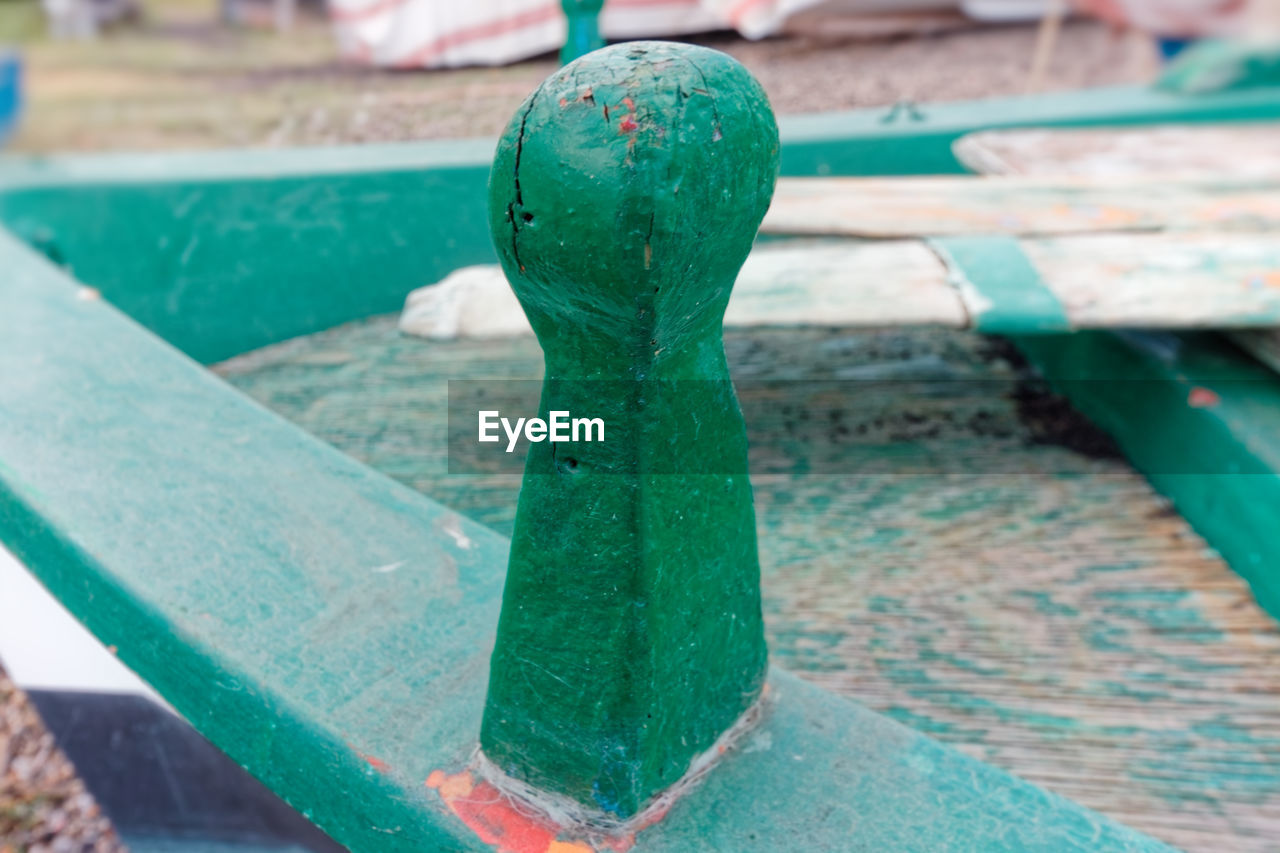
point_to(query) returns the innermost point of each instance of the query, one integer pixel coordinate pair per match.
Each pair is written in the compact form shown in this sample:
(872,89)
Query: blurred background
(199,74)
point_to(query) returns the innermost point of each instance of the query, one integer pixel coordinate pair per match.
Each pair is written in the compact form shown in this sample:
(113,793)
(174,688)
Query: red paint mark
(1202,398)
(494,818)
(512,828)
(375,762)
(628,125)
(564,102)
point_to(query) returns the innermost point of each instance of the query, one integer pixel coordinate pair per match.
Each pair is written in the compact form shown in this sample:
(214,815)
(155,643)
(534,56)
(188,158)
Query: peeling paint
(508,826)
(1202,398)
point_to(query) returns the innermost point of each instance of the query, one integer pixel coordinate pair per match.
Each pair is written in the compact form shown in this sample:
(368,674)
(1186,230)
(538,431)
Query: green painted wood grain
(933,551)
(1197,397)
(1004,280)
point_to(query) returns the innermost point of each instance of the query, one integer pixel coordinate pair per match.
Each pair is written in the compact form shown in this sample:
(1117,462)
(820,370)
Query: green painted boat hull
(229,556)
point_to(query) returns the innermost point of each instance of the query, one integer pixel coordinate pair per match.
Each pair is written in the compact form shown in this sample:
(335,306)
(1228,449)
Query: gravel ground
(188,86)
(182,83)
(44,808)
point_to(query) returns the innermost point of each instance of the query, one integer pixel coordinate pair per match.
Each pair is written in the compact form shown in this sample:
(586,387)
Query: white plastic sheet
(450,33)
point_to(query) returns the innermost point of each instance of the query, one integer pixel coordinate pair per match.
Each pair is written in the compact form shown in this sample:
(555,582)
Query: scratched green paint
(1014,299)
(599,206)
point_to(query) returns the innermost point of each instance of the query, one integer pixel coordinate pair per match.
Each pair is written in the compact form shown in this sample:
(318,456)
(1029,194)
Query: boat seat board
(1026,205)
(930,548)
(1195,280)
(1239,153)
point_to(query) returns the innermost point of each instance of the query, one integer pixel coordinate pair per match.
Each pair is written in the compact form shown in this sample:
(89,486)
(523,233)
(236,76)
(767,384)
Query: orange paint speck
(1202,398)
(493,817)
(508,826)
(376,763)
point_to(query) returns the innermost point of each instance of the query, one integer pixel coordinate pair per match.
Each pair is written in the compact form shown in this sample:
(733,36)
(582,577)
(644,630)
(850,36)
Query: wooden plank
(1222,153)
(1162,281)
(1019,205)
(796,284)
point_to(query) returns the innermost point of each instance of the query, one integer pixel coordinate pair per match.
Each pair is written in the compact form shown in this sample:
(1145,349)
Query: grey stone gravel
(44,807)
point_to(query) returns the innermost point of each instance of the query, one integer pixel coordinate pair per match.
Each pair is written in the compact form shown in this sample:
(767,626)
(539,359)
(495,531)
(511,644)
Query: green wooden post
(583,35)
(624,197)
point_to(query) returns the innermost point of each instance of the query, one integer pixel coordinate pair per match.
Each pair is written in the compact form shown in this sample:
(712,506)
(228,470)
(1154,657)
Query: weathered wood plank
(1222,153)
(1162,281)
(1018,205)
(871,284)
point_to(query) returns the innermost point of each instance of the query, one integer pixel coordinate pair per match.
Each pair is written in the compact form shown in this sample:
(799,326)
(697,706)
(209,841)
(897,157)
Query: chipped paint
(1202,398)
(509,826)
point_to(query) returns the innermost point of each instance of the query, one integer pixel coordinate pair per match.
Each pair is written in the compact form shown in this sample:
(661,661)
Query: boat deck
(941,540)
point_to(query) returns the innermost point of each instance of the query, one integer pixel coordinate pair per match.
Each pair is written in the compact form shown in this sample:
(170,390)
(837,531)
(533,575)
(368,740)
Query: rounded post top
(627,190)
